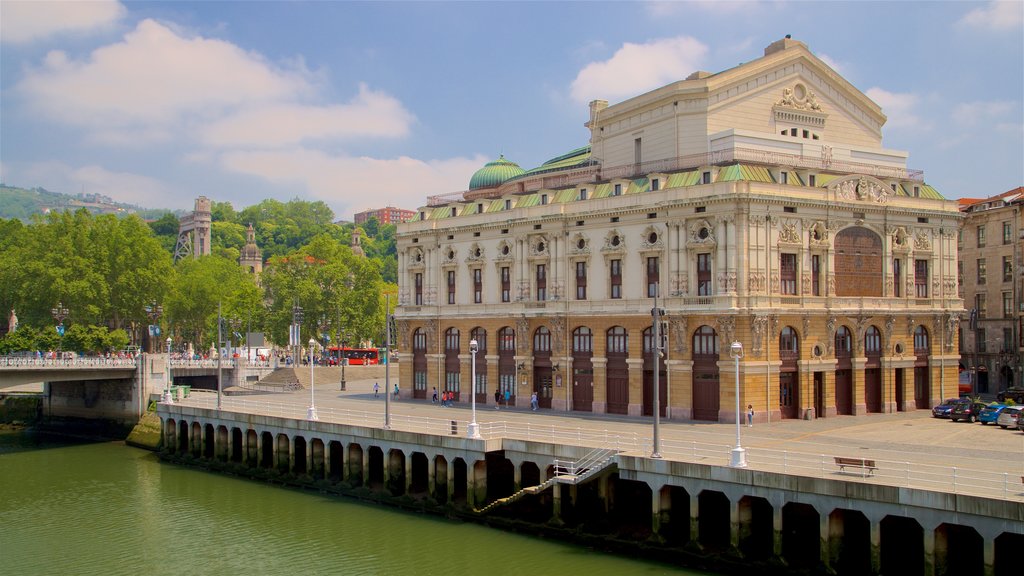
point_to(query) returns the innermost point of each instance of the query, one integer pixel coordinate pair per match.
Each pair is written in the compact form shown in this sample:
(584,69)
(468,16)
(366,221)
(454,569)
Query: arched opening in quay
(300,466)
(375,481)
(336,452)
(959,551)
(396,472)
(801,542)
(419,481)
(902,546)
(355,464)
(849,542)
(713,520)
(756,534)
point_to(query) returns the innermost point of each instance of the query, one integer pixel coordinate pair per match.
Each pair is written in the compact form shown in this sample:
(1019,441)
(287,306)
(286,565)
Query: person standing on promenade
(750,415)
(396,391)
(376,389)
(433,399)
(533,401)
(508,397)
(497,398)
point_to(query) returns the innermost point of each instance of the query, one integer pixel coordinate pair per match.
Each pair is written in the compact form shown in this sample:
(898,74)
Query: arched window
(582,340)
(789,342)
(843,341)
(480,335)
(921,346)
(419,340)
(872,341)
(451,340)
(506,339)
(705,341)
(542,340)
(618,341)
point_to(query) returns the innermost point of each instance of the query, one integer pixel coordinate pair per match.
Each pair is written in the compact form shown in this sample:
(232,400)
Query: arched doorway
(922,375)
(706,395)
(480,386)
(452,367)
(649,355)
(789,381)
(617,351)
(507,363)
(844,371)
(582,369)
(858,263)
(873,369)
(419,364)
(542,366)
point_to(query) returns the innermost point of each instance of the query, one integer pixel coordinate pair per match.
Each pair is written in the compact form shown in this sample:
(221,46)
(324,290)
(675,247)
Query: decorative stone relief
(755,282)
(678,327)
(557,334)
(430,329)
(890,323)
(476,254)
(910,326)
(776,280)
(414,258)
(726,331)
(723,280)
(936,286)
(860,327)
(679,284)
(731,281)
(403,297)
(539,247)
(788,233)
(523,290)
(805,283)
(818,234)
(448,255)
(504,251)
(800,98)
(900,239)
(860,188)
(522,334)
(806,327)
(614,242)
(702,233)
(830,324)
(652,239)
(952,325)
(831,284)
(921,241)
(580,245)
(760,325)
(888,284)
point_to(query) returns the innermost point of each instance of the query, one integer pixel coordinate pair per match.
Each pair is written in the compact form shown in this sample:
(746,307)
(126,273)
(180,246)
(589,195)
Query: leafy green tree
(201,284)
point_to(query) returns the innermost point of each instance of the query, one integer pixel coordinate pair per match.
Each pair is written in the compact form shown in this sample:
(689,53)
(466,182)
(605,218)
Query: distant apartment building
(388,215)
(990,248)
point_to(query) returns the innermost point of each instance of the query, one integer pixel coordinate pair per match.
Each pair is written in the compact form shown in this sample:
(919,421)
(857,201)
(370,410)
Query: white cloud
(349,184)
(997,16)
(636,68)
(899,108)
(832,63)
(974,114)
(23,22)
(369,114)
(155,78)
(121,186)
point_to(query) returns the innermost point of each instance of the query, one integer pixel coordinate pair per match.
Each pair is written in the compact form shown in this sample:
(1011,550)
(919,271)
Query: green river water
(73,508)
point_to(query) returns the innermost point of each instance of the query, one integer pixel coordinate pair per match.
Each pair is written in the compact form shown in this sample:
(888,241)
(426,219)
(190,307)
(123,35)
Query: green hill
(24,203)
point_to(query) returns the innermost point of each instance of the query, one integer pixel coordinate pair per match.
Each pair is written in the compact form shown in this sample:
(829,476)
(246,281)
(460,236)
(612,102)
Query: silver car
(1010,417)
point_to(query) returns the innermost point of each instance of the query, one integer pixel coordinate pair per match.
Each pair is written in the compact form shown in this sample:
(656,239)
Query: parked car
(1009,417)
(942,410)
(1014,393)
(990,413)
(966,410)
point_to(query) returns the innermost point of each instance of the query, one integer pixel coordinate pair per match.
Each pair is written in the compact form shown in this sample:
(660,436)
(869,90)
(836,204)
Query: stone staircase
(280,380)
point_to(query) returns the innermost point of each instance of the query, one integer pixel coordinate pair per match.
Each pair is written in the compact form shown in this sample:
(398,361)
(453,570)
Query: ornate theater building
(760,207)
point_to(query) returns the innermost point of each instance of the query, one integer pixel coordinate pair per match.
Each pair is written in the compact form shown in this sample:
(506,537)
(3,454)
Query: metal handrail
(77,362)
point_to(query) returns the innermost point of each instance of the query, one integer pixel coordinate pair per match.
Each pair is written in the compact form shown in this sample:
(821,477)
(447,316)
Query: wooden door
(789,395)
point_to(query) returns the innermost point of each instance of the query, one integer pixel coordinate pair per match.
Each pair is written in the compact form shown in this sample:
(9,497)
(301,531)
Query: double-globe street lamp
(739,455)
(311,412)
(60,312)
(167,382)
(474,428)
(153,311)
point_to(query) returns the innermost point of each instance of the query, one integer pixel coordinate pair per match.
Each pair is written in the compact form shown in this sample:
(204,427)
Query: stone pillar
(600,364)
(259,450)
(450,476)
(327,460)
(556,503)
(517,476)
(203,440)
(989,555)
(777,530)
(860,406)
(876,546)
(823,549)
(310,469)
(291,454)
(694,518)
(656,511)
(602,492)
(734,524)
(929,551)
(408,472)
(432,477)
(636,375)
(366,466)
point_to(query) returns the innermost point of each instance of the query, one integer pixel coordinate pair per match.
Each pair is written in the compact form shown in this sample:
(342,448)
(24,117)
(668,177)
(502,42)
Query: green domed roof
(494,173)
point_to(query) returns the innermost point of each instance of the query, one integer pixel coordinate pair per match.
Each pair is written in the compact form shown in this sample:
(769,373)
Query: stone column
(777,530)
(823,551)
(636,377)
(259,450)
(517,476)
(556,503)
(327,460)
(366,466)
(408,472)
(734,524)
(657,509)
(310,469)
(694,518)
(929,551)
(432,477)
(876,546)
(291,454)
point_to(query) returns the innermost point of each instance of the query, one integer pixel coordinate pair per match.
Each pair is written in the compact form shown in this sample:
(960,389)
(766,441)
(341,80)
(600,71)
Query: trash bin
(809,414)
(455,427)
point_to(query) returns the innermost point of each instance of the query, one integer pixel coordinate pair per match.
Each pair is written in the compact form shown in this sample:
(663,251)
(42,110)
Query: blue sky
(362,105)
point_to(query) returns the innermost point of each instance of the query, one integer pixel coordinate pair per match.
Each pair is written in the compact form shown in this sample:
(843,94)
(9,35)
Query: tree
(202,284)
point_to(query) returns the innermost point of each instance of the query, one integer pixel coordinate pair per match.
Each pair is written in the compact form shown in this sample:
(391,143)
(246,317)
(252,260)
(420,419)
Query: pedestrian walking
(396,391)
(433,399)
(497,398)
(533,401)
(508,397)
(750,415)
(376,389)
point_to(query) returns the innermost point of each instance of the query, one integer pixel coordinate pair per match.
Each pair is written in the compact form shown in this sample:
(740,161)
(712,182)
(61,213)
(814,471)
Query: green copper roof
(929,192)
(497,205)
(528,200)
(577,157)
(495,173)
(602,191)
(639,185)
(566,195)
(681,179)
(741,172)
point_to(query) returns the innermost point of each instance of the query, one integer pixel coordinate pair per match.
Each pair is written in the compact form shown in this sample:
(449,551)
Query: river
(80,508)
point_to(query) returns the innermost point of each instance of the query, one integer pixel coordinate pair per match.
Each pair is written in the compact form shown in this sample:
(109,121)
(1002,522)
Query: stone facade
(760,206)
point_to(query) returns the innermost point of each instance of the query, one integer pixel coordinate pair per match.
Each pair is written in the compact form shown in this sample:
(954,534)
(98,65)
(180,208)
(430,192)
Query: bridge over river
(117,389)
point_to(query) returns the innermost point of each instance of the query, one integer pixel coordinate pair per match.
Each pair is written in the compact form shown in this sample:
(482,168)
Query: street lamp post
(154,311)
(739,455)
(343,341)
(474,428)
(167,384)
(59,314)
(311,413)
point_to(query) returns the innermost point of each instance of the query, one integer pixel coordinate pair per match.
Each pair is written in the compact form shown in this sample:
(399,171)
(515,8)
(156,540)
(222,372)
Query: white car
(1009,417)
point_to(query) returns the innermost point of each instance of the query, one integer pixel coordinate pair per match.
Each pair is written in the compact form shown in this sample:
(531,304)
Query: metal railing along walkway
(899,473)
(78,362)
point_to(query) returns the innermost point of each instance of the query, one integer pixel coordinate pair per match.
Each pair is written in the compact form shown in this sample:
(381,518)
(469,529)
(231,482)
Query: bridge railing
(976,481)
(201,363)
(78,362)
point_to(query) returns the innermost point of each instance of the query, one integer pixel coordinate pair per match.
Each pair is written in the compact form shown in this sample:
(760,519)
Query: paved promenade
(910,448)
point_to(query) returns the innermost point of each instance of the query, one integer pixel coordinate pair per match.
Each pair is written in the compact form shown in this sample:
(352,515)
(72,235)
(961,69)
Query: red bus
(355,356)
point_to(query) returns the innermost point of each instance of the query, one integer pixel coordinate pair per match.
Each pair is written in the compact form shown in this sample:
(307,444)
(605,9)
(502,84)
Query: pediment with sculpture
(860,188)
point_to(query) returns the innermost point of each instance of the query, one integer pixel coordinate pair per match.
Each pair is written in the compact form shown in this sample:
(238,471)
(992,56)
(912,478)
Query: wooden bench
(862,463)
